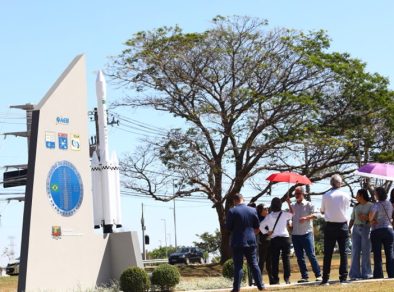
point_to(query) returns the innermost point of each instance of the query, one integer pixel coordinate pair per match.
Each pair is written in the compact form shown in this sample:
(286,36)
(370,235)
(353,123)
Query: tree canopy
(252,100)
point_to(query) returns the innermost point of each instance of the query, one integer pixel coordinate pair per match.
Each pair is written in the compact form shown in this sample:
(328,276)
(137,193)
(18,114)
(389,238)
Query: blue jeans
(251,258)
(305,243)
(378,237)
(361,245)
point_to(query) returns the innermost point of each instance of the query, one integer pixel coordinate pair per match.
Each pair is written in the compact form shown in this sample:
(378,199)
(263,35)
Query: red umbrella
(289,177)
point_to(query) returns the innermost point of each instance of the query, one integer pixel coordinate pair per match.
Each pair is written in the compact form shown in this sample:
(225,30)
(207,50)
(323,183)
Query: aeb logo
(62,120)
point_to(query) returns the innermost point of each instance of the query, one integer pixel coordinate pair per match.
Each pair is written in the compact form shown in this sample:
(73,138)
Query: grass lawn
(8,284)
(208,277)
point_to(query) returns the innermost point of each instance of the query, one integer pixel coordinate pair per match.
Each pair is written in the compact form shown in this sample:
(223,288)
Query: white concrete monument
(60,250)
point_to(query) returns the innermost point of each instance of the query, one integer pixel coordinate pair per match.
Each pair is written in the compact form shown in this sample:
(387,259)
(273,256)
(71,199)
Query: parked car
(13,268)
(186,255)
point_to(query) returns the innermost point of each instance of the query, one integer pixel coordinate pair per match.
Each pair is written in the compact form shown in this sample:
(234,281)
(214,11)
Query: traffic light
(146,239)
(15,178)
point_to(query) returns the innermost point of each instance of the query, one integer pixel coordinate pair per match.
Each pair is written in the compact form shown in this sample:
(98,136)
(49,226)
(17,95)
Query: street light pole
(176,244)
(173,192)
(143,227)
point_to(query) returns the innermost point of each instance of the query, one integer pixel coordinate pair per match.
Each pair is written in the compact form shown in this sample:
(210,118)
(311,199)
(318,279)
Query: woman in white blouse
(275,225)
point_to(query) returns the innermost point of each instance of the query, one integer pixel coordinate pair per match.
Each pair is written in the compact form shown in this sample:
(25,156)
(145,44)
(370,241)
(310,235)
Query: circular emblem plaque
(64,188)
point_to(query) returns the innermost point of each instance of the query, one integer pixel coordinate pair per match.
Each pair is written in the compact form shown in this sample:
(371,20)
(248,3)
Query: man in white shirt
(335,205)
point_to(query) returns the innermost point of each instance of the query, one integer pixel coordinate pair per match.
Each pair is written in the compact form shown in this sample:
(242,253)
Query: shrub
(134,279)
(228,270)
(166,277)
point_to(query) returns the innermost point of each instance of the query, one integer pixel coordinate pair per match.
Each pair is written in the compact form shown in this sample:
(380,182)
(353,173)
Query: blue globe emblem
(64,188)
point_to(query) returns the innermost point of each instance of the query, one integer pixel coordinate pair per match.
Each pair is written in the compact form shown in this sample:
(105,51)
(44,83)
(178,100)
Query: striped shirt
(384,211)
(303,209)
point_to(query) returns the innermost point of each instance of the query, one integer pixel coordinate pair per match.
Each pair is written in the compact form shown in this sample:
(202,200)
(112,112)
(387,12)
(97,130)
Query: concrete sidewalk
(284,286)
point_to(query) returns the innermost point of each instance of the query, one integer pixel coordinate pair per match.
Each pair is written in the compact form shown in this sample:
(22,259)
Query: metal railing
(154,261)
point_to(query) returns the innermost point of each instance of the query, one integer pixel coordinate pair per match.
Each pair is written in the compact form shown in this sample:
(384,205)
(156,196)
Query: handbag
(276,222)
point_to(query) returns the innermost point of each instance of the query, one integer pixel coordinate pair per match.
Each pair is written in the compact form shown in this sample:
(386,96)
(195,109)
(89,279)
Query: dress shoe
(324,283)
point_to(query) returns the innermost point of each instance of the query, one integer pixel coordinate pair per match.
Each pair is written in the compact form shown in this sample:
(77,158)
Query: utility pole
(173,192)
(19,176)
(28,107)
(95,140)
(12,248)
(143,232)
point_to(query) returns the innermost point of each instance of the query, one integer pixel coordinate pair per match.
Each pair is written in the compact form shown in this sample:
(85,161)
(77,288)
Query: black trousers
(280,246)
(333,233)
(265,256)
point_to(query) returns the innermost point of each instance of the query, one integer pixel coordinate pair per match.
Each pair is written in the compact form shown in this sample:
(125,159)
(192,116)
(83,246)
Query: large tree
(253,100)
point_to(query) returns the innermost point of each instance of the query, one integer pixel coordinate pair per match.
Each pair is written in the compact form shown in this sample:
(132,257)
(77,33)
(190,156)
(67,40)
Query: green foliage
(161,252)
(253,100)
(228,270)
(134,279)
(209,242)
(166,277)
(318,231)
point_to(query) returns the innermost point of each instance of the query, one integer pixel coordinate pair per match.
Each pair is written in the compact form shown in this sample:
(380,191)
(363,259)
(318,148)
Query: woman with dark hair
(361,244)
(264,242)
(275,225)
(382,233)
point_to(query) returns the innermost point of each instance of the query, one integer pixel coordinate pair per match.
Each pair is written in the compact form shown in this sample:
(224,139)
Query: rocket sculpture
(105,170)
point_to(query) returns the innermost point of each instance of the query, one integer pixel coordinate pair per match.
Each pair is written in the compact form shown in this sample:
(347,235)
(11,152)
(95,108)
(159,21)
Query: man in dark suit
(243,223)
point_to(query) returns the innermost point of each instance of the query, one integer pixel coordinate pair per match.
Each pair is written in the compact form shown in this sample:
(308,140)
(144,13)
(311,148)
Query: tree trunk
(225,249)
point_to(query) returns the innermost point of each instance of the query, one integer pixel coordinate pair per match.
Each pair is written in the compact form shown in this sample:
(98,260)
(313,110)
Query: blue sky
(39,39)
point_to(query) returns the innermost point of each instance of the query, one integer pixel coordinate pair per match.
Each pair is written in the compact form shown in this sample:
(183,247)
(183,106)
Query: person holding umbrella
(380,217)
(275,225)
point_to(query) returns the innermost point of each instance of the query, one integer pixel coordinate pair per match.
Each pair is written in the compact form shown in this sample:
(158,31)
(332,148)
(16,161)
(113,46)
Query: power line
(141,124)
(141,127)
(133,132)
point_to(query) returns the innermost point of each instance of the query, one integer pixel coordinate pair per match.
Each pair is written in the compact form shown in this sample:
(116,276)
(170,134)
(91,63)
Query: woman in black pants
(275,225)
(264,242)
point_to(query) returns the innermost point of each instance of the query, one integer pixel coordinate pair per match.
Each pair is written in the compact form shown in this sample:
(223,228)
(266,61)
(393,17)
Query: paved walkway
(312,283)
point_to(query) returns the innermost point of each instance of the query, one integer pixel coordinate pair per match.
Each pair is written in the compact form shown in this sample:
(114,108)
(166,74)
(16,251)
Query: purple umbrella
(377,170)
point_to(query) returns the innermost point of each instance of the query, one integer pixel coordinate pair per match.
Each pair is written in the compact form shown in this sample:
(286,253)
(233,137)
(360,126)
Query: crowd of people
(263,234)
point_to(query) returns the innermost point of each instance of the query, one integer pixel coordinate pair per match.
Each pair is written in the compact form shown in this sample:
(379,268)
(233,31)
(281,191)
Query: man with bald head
(335,205)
